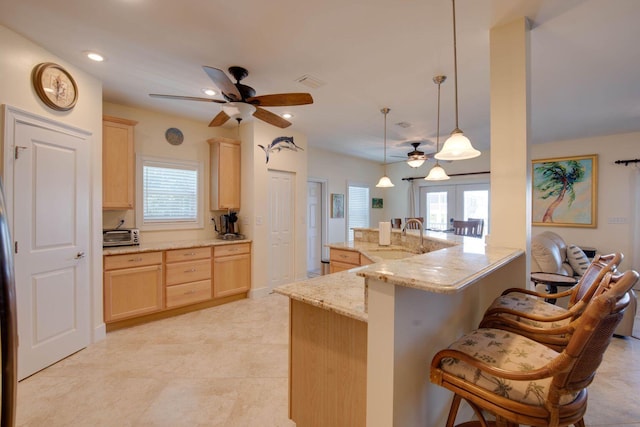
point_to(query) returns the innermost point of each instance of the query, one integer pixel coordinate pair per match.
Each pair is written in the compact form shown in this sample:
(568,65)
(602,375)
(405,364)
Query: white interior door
(51,233)
(314,226)
(282,228)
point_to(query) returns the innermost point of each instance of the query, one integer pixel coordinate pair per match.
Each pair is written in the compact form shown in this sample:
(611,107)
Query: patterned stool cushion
(508,351)
(531,305)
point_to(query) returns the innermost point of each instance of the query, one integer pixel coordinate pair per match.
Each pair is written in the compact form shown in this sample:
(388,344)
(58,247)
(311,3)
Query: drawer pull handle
(138,259)
(344,256)
(189,254)
(193,270)
(189,292)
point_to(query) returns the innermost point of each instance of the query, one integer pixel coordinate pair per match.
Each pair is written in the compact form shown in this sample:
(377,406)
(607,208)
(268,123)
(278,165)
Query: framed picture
(564,191)
(337,205)
(376,203)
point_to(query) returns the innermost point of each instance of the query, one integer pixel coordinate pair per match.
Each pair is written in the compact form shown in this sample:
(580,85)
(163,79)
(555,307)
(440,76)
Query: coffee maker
(228,228)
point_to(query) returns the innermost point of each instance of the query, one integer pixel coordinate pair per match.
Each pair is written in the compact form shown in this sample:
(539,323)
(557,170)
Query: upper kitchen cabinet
(224,164)
(118,159)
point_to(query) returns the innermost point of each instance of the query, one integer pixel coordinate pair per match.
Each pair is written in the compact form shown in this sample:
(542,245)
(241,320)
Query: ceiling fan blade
(224,83)
(220,119)
(271,118)
(281,99)
(187,98)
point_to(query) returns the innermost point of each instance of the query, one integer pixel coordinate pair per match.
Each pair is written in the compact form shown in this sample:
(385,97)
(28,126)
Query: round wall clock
(55,86)
(174,136)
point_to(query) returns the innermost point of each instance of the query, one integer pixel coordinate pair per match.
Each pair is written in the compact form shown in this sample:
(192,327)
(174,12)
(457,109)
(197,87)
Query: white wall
(339,170)
(617,193)
(150,141)
(18,57)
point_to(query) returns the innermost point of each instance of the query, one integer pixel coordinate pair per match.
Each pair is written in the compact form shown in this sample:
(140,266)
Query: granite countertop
(162,246)
(447,270)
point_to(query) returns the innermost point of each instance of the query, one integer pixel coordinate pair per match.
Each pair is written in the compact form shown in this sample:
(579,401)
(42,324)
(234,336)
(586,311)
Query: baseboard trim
(259,293)
(99,333)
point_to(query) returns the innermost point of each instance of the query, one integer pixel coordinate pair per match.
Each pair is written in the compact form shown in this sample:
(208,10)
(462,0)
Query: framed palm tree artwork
(564,192)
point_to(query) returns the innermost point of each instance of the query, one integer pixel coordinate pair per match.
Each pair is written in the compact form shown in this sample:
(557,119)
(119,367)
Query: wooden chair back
(586,287)
(465,228)
(594,332)
(413,225)
(396,222)
(480,227)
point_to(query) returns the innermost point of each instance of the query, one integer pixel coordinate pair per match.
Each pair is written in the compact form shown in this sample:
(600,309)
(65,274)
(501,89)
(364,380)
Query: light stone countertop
(162,246)
(447,270)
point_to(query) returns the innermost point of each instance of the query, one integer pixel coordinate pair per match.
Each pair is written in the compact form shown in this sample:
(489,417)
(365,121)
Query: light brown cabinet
(118,160)
(224,167)
(231,269)
(188,276)
(132,285)
(341,259)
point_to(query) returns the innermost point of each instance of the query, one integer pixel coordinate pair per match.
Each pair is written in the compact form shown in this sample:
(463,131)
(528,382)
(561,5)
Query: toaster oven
(120,237)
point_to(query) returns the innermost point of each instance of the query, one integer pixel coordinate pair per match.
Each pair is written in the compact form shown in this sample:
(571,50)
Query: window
(440,204)
(170,195)
(357,208)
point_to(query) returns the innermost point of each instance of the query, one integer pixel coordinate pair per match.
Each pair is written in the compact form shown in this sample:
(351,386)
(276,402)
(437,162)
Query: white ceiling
(585,65)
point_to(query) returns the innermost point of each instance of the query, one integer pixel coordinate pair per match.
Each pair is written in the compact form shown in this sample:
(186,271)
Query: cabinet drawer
(350,257)
(189,293)
(226,250)
(112,262)
(337,266)
(178,255)
(190,271)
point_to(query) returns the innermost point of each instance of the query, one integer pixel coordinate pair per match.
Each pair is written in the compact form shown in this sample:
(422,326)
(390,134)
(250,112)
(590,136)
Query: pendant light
(457,146)
(385,182)
(437,173)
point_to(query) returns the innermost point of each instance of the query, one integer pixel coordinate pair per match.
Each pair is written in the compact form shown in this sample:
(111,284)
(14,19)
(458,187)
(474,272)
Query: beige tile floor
(227,366)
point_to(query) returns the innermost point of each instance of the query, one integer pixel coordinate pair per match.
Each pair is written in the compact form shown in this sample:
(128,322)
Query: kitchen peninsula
(361,340)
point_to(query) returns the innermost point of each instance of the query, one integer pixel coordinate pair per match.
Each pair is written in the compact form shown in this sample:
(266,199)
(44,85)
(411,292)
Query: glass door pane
(437,205)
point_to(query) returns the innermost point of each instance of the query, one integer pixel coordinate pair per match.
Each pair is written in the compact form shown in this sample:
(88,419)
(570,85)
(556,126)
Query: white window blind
(357,208)
(170,193)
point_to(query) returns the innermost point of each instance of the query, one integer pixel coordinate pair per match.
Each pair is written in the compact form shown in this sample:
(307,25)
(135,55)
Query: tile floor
(227,366)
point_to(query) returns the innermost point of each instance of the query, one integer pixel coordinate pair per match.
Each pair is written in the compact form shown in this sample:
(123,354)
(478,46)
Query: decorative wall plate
(174,136)
(55,86)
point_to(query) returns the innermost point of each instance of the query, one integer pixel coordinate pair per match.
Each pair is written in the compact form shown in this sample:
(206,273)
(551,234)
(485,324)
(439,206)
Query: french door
(441,204)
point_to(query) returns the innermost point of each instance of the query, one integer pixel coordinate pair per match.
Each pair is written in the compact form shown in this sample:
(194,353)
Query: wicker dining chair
(525,311)
(520,381)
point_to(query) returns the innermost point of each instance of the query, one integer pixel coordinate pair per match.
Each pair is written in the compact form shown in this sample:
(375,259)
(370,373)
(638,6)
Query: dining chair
(465,228)
(479,227)
(413,225)
(520,381)
(396,222)
(526,312)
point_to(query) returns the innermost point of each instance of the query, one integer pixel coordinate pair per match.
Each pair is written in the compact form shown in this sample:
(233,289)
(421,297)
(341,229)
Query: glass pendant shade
(457,147)
(384,182)
(415,163)
(437,173)
(239,110)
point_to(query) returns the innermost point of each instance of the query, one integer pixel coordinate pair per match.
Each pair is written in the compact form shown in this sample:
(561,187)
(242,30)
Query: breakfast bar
(363,338)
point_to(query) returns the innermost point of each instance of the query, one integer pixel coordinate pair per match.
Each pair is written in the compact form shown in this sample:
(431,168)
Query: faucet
(421,247)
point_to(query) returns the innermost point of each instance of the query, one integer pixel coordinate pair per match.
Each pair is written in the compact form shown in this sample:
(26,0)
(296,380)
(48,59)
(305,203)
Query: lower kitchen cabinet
(188,276)
(231,269)
(341,260)
(132,285)
(144,286)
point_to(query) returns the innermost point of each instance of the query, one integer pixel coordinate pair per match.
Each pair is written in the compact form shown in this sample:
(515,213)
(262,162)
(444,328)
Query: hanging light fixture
(457,146)
(416,158)
(437,173)
(385,182)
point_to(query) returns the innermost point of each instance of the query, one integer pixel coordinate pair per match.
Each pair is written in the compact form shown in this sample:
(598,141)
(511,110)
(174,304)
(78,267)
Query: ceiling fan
(416,157)
(240,98)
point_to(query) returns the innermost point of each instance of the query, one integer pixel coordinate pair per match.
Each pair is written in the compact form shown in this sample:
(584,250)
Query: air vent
(310,81)
(403,125)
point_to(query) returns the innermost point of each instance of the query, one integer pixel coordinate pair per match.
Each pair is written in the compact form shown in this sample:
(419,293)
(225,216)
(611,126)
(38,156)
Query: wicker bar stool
(526,312)
(521,381)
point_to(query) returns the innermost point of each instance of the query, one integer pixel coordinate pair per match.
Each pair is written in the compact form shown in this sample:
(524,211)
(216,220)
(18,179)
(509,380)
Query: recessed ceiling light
(208,91)
(94,56)
(287,115)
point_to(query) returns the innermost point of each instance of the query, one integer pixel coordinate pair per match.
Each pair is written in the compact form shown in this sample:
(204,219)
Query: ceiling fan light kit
(416,157)
(457,146)
(385,182)
(437,173)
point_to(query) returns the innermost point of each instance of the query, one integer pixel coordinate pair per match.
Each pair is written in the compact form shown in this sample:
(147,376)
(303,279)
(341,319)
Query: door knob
(80,255)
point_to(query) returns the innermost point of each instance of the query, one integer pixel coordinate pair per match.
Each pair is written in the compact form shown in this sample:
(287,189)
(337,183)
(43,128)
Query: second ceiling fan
(242,97)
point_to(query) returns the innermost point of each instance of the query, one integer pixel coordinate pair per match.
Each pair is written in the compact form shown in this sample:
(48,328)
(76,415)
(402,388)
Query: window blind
(170,193)
(357,208)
